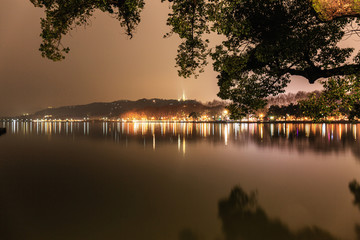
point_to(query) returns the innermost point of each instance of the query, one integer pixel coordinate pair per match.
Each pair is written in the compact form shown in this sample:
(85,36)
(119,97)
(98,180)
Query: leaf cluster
(189,20)
(62,16)
(341,96)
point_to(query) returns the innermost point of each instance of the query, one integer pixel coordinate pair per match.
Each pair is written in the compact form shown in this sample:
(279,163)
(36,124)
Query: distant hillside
(155,108)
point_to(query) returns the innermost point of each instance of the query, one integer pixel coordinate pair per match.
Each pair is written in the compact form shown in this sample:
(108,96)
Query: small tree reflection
(354,187)
(2,131)
(244,219)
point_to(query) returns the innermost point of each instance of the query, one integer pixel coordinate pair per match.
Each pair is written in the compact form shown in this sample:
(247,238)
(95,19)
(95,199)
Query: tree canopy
(341,96)
(265,42)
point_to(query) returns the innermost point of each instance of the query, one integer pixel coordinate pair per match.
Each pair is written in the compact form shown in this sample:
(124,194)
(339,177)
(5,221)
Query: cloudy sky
(103,64)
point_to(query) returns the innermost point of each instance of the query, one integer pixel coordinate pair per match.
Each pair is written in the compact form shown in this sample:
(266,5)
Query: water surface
(164,181)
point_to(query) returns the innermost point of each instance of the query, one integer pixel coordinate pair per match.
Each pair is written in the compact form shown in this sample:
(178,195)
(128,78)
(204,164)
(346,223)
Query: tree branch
(314,73)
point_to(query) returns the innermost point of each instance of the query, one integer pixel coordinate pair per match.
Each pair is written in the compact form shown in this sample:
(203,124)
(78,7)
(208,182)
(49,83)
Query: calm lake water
(177,181)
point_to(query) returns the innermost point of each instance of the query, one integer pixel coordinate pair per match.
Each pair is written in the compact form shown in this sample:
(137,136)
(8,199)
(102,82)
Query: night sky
(103,64)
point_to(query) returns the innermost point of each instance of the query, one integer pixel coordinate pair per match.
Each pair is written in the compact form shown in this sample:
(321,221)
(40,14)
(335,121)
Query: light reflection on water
(224,131)
(320,137)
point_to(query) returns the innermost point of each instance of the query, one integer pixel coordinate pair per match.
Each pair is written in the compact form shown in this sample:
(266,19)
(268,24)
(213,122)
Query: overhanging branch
(314,73)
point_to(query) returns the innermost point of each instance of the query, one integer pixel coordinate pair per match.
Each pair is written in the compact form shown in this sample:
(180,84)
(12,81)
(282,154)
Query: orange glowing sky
(103,64)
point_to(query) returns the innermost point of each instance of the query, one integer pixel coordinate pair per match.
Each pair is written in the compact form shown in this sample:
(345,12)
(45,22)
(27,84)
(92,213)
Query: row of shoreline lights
(48,118)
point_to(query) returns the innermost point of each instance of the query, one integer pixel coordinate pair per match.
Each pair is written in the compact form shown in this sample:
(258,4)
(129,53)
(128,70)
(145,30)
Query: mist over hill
(288,98)
(142,108)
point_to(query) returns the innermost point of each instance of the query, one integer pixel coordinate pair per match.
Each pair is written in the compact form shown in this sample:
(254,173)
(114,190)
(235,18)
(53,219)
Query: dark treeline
(338,101)
(287,105)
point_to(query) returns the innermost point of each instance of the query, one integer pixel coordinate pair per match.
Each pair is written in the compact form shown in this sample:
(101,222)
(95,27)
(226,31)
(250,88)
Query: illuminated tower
(183,97)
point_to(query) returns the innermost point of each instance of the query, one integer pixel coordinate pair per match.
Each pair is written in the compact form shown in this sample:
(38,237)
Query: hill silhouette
(147,108)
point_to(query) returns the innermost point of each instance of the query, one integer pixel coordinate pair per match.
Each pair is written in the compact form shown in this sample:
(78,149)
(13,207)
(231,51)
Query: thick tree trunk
(330,9)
